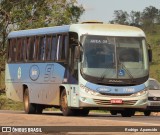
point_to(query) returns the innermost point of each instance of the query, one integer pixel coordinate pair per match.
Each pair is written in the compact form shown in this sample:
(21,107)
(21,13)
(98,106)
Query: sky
(103,10)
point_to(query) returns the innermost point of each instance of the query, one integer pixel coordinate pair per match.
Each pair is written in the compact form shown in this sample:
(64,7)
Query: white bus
(78,68)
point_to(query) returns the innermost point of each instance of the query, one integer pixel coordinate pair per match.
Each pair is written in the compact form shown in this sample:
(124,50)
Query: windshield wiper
(104,74)
(127,71)
(123,67)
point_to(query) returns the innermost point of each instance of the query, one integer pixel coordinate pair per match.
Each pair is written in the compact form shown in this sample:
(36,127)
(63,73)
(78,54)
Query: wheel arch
(67,89)
(24,88)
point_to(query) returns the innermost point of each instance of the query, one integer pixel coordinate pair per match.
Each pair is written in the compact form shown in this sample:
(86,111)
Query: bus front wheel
(113,112)
(64,104)
(147,113)
(127,113)
(29,108)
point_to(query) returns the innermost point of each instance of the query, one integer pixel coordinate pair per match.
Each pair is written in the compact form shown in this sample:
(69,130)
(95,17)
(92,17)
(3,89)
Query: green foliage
(2,86)
(8,104)
(120,17)
(154,41)
(2,101)
(145,19)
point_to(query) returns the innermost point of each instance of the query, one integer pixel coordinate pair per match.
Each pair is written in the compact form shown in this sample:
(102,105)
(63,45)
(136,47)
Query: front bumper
(105,102)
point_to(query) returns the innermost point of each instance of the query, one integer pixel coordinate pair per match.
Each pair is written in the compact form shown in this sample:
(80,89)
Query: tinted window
(19,50)
(41,48)
(12,50)
(53,48)
(62,47)
(48,47)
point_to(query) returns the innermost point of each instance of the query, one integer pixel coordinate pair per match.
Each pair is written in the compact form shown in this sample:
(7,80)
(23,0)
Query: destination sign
(98,41)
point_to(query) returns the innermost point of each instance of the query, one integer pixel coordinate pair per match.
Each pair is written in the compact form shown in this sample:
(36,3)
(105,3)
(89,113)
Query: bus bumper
(134,102)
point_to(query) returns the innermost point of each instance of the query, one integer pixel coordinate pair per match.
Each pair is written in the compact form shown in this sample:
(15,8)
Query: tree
(146,19)
(135,18)
(149,17)
(65,12)
(120,17)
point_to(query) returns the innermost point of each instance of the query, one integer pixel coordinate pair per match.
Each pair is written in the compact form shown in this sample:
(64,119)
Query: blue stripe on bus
(39,72)
(116,89)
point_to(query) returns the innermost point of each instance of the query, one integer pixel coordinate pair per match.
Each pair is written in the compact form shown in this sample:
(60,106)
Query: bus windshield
(114,57)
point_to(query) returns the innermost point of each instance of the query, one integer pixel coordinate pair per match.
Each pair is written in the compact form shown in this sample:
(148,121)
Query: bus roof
(107,30)
(91,29)
(39,31)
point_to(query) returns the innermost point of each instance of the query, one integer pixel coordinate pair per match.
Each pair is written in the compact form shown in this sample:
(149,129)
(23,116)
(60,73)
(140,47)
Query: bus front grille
(120,95)
(108,102)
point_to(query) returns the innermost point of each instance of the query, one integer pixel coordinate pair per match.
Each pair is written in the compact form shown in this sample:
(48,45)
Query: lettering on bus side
(49,73)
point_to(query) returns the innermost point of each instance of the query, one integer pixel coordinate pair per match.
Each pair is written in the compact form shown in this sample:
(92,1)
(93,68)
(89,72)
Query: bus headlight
(139,93)
(88,90)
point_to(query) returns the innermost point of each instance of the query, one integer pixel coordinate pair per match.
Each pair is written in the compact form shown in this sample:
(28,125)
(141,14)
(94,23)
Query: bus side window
(59,48)
(48,47)
(62,47)
(9,50)
(31,48)
(27,44)
(41,49)
(19,50)
(37,40)
(53,48)
(34,48)
(13,50)
(24,49)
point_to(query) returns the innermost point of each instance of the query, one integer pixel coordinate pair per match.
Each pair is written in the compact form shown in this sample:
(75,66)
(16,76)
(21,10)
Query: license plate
(116,101)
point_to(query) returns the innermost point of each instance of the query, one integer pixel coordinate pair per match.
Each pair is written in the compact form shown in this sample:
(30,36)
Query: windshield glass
(114,57)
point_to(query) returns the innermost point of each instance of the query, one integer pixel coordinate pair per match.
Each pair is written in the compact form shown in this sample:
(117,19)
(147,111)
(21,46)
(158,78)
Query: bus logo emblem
(34,72)
(103,89)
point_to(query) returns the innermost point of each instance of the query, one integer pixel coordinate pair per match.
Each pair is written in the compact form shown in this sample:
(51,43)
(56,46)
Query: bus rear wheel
(29,108)
(64,105)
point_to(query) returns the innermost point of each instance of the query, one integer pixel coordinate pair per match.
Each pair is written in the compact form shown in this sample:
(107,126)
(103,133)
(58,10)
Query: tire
(39,109)
(29,108)
(127,113)
(66,111)
(82,112)
(113,112)
(147,113)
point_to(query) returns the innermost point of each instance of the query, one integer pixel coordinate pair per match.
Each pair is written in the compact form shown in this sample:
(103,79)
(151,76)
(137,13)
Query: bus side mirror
(78,52)
(150,55)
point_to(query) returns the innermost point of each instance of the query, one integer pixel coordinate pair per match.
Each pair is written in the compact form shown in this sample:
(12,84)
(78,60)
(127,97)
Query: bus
(77,68)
